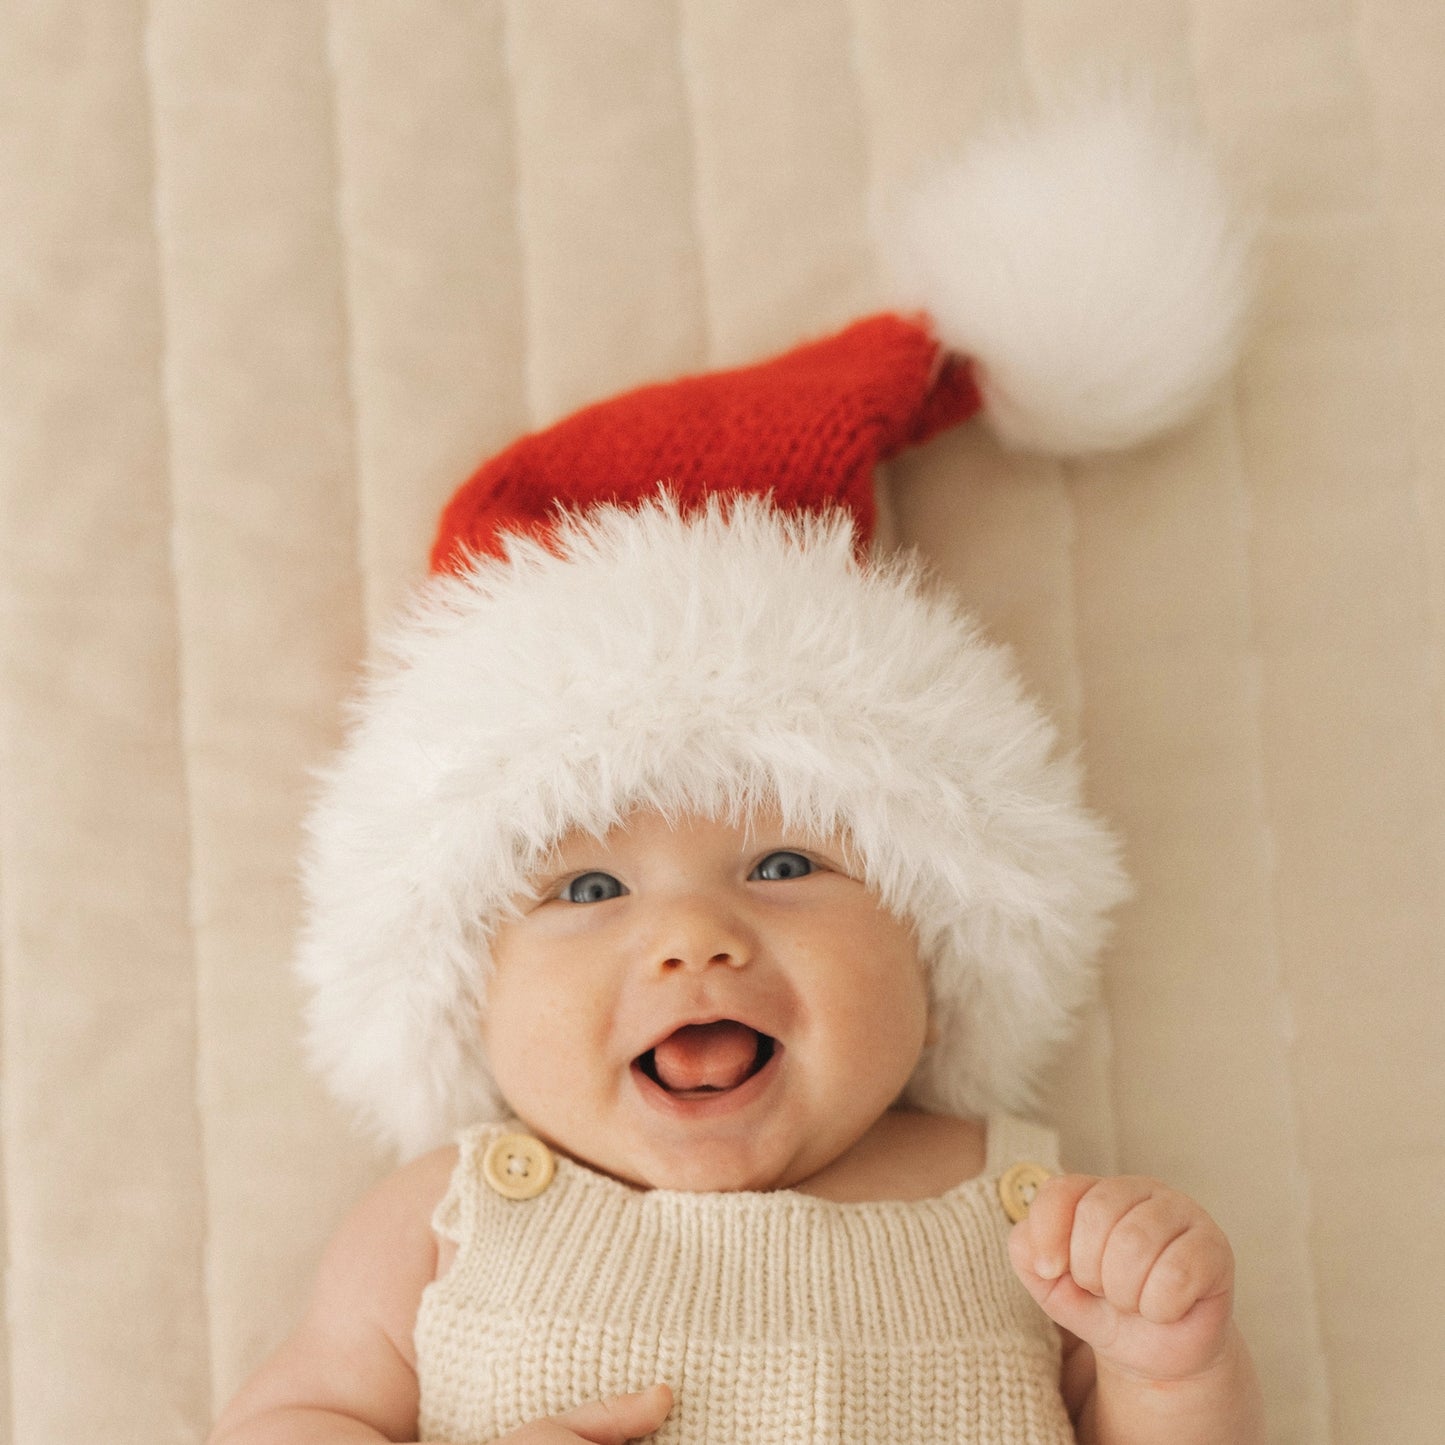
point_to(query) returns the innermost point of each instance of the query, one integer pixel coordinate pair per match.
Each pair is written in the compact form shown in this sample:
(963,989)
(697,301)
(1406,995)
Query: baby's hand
(612,1421)
(1137,1271)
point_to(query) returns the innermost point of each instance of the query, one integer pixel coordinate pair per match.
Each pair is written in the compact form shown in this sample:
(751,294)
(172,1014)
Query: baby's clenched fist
(1136,1270)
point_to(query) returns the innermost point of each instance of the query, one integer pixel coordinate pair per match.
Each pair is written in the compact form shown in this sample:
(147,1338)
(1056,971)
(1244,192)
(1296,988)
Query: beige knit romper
(777,1318)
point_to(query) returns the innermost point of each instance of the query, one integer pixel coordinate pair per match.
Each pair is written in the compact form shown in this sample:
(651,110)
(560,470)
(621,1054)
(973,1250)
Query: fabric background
(274,276)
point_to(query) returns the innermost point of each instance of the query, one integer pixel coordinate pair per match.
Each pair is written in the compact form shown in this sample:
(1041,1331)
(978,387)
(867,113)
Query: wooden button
(1017,1186)
(518,1166)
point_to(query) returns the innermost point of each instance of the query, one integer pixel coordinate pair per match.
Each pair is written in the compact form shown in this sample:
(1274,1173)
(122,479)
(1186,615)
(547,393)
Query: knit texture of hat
(807,429)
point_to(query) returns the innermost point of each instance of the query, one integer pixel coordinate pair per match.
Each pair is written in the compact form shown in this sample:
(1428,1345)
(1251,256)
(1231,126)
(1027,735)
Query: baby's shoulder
(395,1213)
(383,1254)
(417,1190)
(425,1179)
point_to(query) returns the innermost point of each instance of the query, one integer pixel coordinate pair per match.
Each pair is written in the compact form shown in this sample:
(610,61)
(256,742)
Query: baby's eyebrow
(800,843)
(554,872)
(544,876)
(549,876)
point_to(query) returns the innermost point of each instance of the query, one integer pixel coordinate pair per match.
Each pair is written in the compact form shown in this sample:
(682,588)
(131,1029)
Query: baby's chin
(711,1177)
(728,1156)
(712,1167)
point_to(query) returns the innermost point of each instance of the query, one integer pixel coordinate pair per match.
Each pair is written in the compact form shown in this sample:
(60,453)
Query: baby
(711,892)
(710,1006)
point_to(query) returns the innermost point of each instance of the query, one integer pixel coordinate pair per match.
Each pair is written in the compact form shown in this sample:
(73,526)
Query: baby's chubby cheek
(537,1057)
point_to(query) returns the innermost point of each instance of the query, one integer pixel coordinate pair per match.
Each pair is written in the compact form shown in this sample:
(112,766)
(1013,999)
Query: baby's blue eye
(780,867)
(592,888)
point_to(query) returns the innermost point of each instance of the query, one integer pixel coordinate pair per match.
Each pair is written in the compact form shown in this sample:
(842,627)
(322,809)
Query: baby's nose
(699,962)
(697,933)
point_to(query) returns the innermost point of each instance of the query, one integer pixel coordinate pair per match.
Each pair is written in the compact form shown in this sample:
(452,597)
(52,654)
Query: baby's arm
(1144,1278)
(348,1373)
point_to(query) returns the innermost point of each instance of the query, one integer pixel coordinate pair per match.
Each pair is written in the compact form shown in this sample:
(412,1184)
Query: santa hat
(666,601)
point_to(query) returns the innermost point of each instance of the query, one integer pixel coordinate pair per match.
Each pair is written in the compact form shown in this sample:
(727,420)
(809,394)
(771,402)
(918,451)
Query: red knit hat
(807,429)
(665,601)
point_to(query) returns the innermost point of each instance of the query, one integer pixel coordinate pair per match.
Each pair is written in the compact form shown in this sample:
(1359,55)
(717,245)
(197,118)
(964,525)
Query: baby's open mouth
(701,1059)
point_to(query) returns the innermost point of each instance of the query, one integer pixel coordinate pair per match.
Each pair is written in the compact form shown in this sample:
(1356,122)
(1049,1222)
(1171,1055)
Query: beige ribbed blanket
(273,276)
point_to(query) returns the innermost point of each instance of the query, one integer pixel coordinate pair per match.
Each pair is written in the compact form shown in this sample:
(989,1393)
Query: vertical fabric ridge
(886,525)
(1256,685)
(185,721)
(1327,1416)
(7,1133)
(101,1171)
(1430,527)
(531,383)
(688,82)
(1074,721)
(424,162)
(777,166)
(260,467)
(854,50)
(1098,1018)
(340,210)
(1064,478)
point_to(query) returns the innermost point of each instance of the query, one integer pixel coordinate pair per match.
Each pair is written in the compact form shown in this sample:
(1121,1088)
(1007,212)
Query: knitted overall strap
(1015,1141)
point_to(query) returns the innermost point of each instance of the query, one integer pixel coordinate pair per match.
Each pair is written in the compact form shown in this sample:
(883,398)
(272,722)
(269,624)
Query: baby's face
(703,1006)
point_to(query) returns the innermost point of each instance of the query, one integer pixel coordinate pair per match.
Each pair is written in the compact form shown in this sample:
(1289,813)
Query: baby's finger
(1196,1265)
(1093,1320)
(1098,1212)
(619,1418)
(1039,1245)
(1137,1240)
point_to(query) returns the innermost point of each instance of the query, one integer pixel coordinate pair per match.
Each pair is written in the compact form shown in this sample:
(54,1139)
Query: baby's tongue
(706,1056)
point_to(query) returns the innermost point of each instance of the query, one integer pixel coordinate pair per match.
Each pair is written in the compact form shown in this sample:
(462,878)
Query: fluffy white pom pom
(1089,264)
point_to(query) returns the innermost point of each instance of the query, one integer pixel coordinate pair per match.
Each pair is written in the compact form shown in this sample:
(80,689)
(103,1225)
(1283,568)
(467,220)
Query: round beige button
(1017,1186)
(518,1166)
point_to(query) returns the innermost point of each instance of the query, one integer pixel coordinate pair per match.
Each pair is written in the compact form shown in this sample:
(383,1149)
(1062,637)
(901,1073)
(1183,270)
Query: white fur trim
(1088,262)
(737,655)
